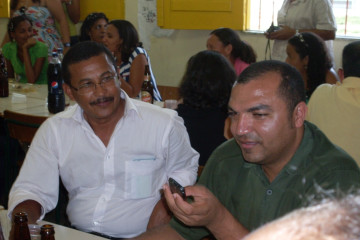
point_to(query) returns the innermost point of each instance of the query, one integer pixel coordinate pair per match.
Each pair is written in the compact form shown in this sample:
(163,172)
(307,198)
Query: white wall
(169,55)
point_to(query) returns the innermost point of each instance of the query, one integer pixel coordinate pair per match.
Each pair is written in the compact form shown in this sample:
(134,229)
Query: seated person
(308,53)
(205,91)
(94,27)
(227,42)
(25,56)
(273,165)
(123,41)
(113,153)
(332,218)
(335,109)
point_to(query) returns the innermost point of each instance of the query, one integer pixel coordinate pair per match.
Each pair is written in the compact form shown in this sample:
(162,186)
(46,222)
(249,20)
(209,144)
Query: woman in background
(308,53)
(205,92)
(94,27)
(122,39)
(43,14)
(227,42)
(25,56)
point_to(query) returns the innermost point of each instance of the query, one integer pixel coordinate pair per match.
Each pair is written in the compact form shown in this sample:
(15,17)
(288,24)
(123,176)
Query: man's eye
(259,115)
(231,113)
(86,85)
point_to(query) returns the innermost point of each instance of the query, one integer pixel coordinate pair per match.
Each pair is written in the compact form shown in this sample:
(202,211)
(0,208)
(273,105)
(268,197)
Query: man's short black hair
(83,51)
(291,88)
(351,59)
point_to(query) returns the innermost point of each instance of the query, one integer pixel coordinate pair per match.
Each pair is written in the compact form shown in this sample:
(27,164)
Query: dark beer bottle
(147,89)
(21,229)
(56,97)
(47,232)
(4,81)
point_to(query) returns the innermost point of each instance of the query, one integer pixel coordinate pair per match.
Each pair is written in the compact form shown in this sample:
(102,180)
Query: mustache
(101,100)
(249,137)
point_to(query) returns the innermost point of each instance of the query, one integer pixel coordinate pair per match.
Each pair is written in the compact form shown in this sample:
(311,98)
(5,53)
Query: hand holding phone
(175,187)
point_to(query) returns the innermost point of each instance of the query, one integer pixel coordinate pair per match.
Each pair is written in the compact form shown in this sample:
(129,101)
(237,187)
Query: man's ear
(68,91)
(299,114)
(341,74)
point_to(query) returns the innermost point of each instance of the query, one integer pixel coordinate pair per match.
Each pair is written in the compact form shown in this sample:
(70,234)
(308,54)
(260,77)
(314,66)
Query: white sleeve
(182,159)
(38,179)
(325,19)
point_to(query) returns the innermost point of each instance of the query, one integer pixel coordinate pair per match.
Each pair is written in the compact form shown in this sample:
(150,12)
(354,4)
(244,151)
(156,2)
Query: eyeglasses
(302,40)
(90,87)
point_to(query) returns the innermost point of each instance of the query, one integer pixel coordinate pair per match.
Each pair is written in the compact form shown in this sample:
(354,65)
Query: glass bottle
(147,89)
(4,81)
(21,229)
(56,96)
(47,232)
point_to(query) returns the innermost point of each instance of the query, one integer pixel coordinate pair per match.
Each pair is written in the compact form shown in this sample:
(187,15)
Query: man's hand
(203,211)
(206,210)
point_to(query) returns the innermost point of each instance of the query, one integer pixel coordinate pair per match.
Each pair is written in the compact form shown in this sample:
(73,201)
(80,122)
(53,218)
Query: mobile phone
(175,187)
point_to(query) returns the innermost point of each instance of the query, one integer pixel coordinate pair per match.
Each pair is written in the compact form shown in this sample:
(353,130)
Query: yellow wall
(113,9)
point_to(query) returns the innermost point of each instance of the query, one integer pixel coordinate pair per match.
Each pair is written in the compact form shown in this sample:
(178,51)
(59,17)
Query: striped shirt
(125,70)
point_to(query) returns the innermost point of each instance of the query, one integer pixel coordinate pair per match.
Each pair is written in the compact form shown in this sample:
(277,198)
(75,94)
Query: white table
(27,99)
(61,232)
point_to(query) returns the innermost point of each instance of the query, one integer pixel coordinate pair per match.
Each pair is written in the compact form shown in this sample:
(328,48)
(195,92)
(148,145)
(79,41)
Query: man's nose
(243,124)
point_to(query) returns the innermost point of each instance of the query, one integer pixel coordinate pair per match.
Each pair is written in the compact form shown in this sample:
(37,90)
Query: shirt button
(269,192)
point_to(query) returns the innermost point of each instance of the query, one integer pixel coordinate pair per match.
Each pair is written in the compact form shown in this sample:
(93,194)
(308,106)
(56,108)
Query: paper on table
(18,98)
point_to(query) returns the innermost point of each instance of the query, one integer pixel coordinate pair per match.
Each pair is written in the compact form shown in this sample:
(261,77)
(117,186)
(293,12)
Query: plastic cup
(171,103)
(34,231)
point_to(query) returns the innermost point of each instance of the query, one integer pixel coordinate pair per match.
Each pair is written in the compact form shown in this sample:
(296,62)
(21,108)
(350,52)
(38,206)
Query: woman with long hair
(227,42)
(308,53)
(205,92)
(94,27)
(123,41)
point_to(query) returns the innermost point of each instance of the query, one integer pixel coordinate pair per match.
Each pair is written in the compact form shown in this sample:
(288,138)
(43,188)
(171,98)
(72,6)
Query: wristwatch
(67,44)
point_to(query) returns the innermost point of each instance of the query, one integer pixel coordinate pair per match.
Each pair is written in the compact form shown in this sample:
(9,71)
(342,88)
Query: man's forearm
(31,207)
(226,227)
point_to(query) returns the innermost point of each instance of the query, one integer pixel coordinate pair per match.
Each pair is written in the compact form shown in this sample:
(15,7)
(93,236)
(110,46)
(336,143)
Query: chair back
(22,126)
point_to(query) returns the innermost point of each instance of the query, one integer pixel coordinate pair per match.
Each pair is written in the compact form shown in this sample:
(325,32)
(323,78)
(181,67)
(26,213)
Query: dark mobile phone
(175,187)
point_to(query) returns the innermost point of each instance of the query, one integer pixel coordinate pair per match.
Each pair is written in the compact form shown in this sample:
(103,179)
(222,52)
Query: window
(202,14)
(263,12)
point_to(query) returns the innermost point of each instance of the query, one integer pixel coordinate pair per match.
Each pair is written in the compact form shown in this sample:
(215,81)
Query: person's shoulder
(323,91)
(9,48)
(327,155)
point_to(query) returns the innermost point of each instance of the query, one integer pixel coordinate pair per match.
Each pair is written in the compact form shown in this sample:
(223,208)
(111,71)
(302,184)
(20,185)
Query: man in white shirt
(112,153)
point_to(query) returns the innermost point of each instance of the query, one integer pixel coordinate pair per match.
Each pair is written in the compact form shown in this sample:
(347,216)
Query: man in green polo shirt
(276,162)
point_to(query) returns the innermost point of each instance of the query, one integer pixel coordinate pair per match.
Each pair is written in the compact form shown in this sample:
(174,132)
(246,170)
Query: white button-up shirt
(112,189)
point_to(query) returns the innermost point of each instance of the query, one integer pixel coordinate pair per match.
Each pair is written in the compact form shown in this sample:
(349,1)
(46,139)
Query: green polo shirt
(245,191)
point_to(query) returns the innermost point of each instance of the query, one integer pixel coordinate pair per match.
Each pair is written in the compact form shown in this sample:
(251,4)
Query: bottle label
(55,89)
(146,96)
